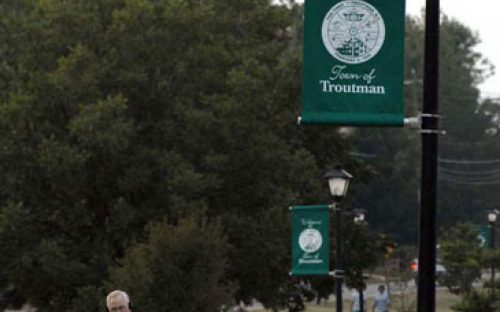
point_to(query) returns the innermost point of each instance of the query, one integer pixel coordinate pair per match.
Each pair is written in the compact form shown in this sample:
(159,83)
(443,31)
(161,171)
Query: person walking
(381,302)
(356,300)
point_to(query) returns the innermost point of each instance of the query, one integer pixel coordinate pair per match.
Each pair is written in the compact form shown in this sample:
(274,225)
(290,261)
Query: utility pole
(426,301)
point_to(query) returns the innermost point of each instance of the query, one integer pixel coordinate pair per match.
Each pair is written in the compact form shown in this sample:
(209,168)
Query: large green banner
(353,62)
(310,240)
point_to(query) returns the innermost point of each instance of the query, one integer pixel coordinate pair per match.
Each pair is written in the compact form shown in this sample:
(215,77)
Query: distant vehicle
(440,270)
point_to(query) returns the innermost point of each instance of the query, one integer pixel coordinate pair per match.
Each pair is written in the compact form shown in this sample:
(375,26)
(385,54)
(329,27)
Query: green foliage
(178,267)
(361,250)
(251,257)
(461,255)
(465,187)
(88,299)
(117,113)
(476,301)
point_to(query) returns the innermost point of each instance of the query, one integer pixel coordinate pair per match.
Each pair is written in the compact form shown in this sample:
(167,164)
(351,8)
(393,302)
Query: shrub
(178,268)
(475,301)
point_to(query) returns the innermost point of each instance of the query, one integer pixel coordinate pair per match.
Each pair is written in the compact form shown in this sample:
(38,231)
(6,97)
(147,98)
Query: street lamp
(338,182)
(492,218)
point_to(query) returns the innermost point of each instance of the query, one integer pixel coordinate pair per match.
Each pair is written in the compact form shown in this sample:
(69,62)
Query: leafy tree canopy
(461,254)
(115,114)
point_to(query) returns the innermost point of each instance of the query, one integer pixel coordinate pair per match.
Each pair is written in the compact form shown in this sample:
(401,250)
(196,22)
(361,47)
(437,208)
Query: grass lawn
(443,302)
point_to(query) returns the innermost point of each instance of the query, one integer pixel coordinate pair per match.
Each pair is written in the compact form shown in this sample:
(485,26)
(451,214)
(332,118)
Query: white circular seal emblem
(353,31)
(310,240)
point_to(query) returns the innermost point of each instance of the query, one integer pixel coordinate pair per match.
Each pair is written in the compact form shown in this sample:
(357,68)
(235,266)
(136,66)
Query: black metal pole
(361,300)
(338,259)
(492,246)
(426,301)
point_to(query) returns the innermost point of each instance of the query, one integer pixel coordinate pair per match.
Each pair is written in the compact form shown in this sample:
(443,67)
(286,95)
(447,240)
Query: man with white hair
(118,301)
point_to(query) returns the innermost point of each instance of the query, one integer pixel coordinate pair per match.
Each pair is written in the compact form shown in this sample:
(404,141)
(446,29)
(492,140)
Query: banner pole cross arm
(337,273)
(416,123)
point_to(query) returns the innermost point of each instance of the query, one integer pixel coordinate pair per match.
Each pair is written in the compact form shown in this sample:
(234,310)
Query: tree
(363,249)
(476,301)
(465,182)
(177,267)
(462,257)
(114,114)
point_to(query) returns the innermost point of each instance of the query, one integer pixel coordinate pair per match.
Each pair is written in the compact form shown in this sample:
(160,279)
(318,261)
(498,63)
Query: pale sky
(483,17)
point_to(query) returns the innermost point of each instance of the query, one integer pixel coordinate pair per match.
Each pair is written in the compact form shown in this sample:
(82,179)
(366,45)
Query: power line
(468,162)
(473,183)
(471,178)
(469,173)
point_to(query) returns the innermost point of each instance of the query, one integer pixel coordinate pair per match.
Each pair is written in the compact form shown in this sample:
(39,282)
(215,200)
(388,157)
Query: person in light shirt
(381,302)
(356,301)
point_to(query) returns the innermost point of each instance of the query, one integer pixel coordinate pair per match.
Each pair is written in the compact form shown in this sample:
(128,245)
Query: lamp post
(492,218)
(359,218)
(338,182)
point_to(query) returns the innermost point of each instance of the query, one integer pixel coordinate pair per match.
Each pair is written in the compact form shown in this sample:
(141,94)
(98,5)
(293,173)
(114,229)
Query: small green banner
(353,67)
(484,236)
(310,240)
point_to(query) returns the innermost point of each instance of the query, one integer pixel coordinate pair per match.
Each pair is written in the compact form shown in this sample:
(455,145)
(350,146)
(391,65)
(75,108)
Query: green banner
(353,63)
(310,240)
(484,236)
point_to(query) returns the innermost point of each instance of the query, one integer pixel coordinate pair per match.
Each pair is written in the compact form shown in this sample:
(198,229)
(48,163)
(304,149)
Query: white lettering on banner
(312,261)
(338,75)
(308,258)
(310,223)
(329,87)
